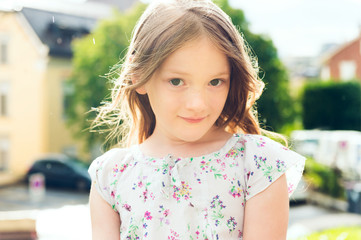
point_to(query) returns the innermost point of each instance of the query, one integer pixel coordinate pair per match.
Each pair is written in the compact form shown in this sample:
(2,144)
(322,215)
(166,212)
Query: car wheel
(81,185)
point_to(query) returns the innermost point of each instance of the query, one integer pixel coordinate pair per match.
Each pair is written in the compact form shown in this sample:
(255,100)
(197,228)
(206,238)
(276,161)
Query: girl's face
(188,92)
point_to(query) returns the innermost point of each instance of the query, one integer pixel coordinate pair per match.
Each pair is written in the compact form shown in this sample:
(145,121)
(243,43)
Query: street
(64,214)
(18,197)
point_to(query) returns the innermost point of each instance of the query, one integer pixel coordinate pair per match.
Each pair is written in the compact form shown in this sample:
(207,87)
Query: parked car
(61,171)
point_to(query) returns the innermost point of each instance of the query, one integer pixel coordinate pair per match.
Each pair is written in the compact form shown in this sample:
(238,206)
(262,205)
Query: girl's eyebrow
(173,71)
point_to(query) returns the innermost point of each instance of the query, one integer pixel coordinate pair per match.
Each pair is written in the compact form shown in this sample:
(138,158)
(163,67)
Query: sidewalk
(7,179)
(308,226)
(73,222)
(333,215)
(65,223)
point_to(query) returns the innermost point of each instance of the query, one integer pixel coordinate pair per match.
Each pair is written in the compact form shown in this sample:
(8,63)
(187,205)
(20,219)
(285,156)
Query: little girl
(196,165)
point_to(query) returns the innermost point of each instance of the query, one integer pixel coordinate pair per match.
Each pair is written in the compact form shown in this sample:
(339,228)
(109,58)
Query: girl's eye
(215,82)
(176,82)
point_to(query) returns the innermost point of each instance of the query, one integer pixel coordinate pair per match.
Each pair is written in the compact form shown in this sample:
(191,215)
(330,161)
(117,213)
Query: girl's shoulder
(256,140)
(109,159)
(265,160)
(259,142)
(259,146)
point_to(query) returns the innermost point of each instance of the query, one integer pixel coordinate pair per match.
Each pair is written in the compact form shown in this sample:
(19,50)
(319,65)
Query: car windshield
(78,165)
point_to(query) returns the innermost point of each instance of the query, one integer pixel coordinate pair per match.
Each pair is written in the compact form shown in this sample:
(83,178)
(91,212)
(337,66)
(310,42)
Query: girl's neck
(159,145)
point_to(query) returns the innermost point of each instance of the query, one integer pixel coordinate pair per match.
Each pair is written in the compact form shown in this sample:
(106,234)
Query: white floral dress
(191,198)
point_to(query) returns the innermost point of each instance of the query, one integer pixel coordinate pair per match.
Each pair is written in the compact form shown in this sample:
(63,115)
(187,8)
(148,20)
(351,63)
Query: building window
(70,150)
(325,73)
(68,92)
(4,99)
(3,52)
(347,70)
(4,153)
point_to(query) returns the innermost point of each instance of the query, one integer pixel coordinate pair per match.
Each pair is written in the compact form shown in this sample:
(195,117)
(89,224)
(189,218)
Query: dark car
(62,171)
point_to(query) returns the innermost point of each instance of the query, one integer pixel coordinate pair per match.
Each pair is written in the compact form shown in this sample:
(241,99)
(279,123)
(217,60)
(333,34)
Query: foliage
(92,61)
(275,107)
(339,233)
(324,179)
(332,105)
(93,58)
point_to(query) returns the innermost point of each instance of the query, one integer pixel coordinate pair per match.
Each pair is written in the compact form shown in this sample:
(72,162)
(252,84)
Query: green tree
(332,105)
(95,54)
(275,107)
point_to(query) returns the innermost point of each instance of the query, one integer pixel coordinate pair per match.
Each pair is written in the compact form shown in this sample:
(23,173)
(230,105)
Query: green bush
(343,233)
(324,179)
(332,106)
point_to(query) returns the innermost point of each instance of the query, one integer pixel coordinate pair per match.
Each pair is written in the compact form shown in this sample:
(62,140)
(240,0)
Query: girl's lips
(193,120)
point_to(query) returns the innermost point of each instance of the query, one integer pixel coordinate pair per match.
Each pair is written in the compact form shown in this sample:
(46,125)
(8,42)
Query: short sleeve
(100,172)
(267,160)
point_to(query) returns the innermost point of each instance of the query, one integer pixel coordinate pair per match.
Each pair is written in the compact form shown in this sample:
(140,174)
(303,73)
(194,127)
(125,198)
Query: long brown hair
(163,28)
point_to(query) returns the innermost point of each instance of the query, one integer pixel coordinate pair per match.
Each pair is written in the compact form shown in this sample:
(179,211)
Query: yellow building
(35,61)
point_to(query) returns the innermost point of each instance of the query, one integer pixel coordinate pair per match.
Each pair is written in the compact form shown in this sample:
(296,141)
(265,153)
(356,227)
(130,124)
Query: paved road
(53,211)
(18,197)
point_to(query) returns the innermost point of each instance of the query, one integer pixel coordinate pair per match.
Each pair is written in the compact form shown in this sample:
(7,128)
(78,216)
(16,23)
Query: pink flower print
(231,224)
(147,215)
(249,174)
(165,213)
(203,165)
(118,169)
(232,153)
(247,191)
(145,195)
(122,168)
(290,188)
(224,176)
(197,233)
(127,207)
(174,235)
(182,191)
(140,184)
(281,165)
(261,143)
(235,191)
(112,194)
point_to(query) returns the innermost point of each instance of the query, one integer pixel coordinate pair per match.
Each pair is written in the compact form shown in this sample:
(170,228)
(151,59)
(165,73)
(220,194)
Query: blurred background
(56,60)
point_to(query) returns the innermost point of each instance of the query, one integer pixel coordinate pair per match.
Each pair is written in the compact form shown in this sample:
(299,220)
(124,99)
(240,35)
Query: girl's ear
(141,89)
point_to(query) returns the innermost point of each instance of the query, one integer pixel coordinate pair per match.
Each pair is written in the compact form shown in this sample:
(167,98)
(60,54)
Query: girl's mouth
(192,120)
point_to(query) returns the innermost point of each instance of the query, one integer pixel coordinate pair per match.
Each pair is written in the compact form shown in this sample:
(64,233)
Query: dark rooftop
(121,5)
(57,30)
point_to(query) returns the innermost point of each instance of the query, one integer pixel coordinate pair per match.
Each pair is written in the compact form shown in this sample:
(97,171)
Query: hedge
(332,106)
(344,233)
(324,179)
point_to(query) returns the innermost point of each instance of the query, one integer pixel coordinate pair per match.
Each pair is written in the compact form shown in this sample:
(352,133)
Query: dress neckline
(220,152)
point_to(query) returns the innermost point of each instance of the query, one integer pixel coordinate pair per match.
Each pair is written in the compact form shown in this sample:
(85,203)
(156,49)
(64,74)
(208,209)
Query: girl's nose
(196,100)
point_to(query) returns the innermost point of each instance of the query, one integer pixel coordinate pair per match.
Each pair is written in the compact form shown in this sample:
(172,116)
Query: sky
(302,27)
(298,28)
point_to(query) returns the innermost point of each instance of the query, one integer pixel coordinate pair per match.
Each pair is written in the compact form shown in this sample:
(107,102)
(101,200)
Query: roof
(121,5)
(57,30)
(341,48)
